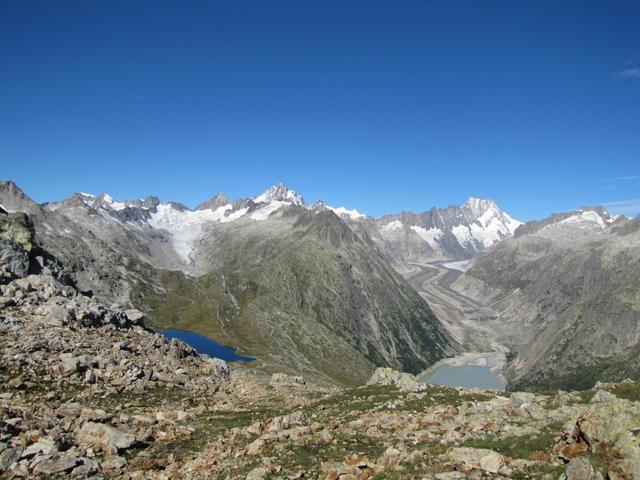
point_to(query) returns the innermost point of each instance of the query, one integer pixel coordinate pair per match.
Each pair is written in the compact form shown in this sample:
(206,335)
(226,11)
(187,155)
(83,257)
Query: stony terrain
(89,392)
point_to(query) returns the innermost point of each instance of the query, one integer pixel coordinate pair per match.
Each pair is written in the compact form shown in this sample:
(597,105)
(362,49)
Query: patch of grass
(519,447)
(357,399)
(538,472)
(628,391)
(438,395)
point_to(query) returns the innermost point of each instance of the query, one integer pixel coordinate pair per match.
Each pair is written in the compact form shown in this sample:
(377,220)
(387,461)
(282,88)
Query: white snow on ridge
(263,213)
(185,226)
(111,203)
(343,212)
(511,223)
(279,193)
(430,236)
(391,226)
(462,234)
(585,218)
(234,215)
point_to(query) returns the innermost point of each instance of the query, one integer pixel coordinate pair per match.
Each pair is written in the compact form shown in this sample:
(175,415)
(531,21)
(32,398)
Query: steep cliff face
(568,293)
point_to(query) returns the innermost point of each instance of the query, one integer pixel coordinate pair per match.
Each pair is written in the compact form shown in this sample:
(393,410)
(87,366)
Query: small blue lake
(205,345)
(467,376)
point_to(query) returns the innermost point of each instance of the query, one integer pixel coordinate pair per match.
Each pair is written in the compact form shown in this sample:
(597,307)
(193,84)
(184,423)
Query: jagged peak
(217,201)
(480,205)
(279,193)
(13,198)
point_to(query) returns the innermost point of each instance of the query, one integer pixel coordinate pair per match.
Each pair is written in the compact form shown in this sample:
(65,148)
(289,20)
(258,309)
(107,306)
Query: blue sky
(379,106)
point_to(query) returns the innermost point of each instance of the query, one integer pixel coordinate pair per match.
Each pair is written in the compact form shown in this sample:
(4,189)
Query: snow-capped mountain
(571,227)
(444,233)
(449,233)
(279,193)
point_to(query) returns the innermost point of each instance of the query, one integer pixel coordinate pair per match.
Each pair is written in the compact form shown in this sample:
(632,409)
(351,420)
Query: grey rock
(45,445)
(286,421)
(112,462)
(403,381)
(282,379)
(258,473)
(579,468)
(602,396)
(8,457)
(135,316)
(56,464)
(104,437)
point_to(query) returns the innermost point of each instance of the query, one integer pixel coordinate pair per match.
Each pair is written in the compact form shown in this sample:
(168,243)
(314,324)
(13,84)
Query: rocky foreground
(89,391)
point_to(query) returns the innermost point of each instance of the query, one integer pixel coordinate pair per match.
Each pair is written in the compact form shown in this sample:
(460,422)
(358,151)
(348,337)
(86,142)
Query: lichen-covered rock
(610,426)
(579,469)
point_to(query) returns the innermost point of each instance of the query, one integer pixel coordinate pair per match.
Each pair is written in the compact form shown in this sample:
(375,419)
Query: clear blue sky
(379,106)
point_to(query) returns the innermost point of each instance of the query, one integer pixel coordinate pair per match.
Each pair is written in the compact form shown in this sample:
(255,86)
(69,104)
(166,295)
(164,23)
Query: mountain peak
(213,203)
(279,193)
(480,205)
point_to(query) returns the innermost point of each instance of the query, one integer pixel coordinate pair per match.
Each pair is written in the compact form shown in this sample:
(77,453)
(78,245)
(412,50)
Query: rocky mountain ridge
(448,233)
(566,292)
(443,234)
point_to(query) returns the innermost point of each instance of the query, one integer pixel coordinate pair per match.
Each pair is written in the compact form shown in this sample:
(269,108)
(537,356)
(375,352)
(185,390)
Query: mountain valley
(347,317)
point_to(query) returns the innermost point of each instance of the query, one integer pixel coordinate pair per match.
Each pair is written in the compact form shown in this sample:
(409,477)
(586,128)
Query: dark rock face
(16,244)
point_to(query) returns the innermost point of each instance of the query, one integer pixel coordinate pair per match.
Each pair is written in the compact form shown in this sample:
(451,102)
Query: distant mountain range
(440,233)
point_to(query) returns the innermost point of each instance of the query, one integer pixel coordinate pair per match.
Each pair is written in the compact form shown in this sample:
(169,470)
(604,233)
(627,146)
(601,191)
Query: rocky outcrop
(609,427)
(403,381)
(16,237)
(55,340)
(284,380)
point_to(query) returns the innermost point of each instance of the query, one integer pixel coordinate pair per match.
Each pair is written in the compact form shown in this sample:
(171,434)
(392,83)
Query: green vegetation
(519,447)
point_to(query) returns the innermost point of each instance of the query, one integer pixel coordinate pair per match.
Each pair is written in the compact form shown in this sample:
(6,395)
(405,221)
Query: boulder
(8,457)
(476,458)
(255,447)
(112,462)
(45,445)
(403,381)
(282,379)
(602,396)
(135,316)
(258,473)
(104,437)
(14,261)
(286,421)
(56,464)
(579,469)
